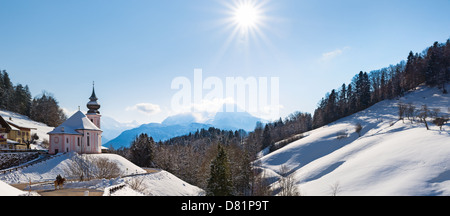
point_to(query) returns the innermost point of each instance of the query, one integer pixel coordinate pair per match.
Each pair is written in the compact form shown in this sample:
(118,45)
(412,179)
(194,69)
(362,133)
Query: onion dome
(93,105)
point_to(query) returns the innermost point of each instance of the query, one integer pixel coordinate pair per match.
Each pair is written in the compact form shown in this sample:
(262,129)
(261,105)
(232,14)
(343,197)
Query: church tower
(93,114)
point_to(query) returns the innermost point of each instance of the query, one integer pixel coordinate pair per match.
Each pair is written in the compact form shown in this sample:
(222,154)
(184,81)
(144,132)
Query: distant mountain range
(178,125)
(112,128)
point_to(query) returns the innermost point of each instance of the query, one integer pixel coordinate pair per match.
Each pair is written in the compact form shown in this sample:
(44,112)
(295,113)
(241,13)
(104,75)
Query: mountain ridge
(183,124)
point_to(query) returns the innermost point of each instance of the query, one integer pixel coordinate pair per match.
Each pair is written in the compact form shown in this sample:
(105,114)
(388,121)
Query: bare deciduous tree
(85,168)
(137,184)
(105,168)
(287,183)
(410,110)
(401,111)
(335,189)
(423,115)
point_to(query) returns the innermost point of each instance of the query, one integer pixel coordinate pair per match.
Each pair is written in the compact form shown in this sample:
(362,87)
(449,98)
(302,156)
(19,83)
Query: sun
(246,15)
(246,22)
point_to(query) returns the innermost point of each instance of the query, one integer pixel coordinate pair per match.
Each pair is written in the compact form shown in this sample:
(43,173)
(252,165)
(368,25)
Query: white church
(80,133)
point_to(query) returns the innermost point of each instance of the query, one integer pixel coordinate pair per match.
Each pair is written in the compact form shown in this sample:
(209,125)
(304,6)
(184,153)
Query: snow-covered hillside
(8,190)
(159,183)
(390,157)
(48,170)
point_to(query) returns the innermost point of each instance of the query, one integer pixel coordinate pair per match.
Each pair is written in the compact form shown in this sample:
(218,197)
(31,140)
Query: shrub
(105,168)
(85,168)
(440,122)
(358,128)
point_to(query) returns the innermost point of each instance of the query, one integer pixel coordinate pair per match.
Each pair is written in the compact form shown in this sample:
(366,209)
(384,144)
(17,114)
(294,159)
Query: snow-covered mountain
(234,121)
(183,124)
(155,130)
(112,128)
(391,157)
(223,120)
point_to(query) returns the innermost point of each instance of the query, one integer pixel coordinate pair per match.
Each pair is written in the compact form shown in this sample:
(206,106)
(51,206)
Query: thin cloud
(146,108)
(335,53)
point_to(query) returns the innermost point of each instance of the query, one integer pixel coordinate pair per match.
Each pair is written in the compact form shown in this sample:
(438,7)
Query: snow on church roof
(78,121)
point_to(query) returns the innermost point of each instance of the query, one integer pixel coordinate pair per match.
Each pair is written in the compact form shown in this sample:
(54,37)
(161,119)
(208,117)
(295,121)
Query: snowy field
(390,157)
(160,183)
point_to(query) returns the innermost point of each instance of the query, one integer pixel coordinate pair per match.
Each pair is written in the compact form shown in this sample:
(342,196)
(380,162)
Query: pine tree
(21,100)
(219,182)
(331,108)
(141,150)
(267,139)
(351,99)
(342,102)
(383,88)
(6,91)
(365,91)
(447,60)
(433,64)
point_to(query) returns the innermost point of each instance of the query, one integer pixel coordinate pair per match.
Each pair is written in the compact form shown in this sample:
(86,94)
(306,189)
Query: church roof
(93,96)
(93,105)
(78,121)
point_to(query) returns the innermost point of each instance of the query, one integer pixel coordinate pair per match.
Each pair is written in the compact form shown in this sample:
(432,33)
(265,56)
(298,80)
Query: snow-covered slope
(159,183)
(390,157)
(7,190)
(164,184)
(48,170)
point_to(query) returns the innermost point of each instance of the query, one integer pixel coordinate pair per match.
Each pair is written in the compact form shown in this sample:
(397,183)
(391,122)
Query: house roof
(77,121)
(16,126)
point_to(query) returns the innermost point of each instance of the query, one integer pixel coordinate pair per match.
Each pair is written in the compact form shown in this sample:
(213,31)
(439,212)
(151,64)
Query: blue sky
(134,49)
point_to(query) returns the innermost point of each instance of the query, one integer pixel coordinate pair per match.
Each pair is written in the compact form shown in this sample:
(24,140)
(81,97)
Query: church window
(88,140)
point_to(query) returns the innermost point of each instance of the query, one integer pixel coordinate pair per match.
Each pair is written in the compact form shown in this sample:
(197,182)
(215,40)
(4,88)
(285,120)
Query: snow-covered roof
(16,125)
(78,121)
(13,128)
